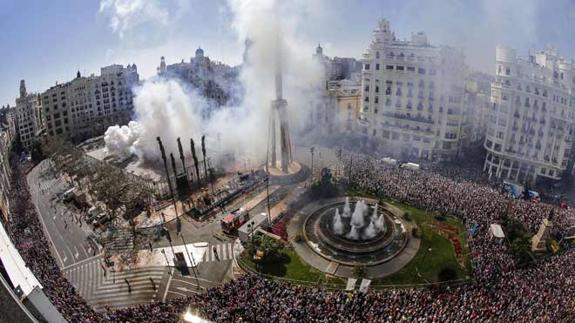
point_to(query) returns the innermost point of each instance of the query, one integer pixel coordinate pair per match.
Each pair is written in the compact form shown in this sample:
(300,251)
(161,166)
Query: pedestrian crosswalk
(102,287)
(219,252)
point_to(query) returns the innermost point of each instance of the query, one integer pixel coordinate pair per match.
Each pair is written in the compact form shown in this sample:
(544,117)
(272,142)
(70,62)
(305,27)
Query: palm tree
(182,158)
(195,157)
(163,152)
(204,153)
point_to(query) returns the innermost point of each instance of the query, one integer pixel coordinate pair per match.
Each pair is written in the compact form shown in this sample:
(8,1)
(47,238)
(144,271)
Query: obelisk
(279,113)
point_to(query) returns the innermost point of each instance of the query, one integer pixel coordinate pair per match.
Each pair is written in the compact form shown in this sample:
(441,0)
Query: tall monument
(279,115)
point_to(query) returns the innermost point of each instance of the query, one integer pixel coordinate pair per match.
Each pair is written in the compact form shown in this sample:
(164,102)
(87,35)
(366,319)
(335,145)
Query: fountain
(380,223)
(346,209)
(370,231)
(358,213)
(374,214)
(337,223)
(353,234)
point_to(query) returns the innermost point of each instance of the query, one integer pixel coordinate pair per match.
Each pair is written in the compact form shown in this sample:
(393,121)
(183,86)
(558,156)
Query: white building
(86,106)
(412,96)
(346,95)
(531,125)
(214,80)
(337,68)
(29,121)
(478,103)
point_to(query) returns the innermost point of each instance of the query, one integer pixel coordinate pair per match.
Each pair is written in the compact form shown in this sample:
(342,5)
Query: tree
(447,273)
(359,271)
(204,156)
(324,188)
(195,157)
(181,150)
(163,152)
(521,250)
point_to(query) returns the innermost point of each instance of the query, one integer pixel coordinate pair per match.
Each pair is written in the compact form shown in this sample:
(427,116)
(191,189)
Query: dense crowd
(26,232)
(543,292)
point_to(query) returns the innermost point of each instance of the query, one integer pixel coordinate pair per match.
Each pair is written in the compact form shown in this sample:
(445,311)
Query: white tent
(496,231)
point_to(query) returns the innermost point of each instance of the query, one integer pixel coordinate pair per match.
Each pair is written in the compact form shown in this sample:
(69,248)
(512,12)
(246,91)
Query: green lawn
(427,264)
(291,268)
(424,268)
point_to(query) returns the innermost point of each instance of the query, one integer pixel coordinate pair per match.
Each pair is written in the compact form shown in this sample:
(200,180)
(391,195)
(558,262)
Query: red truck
(234,220)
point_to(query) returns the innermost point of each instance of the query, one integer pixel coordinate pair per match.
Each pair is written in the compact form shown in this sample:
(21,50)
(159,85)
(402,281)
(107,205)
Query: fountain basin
(319,234)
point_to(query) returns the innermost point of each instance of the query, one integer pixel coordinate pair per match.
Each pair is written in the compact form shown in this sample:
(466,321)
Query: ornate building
(214,80)
(86,106)
(29,119)
(532,120)
(412,96)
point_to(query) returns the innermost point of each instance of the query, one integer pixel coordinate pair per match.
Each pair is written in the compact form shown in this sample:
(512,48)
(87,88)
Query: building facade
(214,80)
(478,103)
(29,120)
(412,97)
(86,106)
(337,68)
(346,96)
(532,120)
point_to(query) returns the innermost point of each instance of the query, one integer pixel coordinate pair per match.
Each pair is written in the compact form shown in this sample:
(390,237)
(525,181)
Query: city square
(417,178)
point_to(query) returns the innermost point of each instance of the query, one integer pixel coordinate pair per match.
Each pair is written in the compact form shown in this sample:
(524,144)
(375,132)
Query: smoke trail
(167,109)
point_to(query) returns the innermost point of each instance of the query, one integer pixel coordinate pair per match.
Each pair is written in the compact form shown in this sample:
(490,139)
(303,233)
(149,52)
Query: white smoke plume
(167,109)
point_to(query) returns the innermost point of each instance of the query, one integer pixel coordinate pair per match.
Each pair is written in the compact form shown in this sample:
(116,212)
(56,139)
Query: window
(377,67)
(411,69)
(400,68)
(389,67)
(421,70)
(366,67)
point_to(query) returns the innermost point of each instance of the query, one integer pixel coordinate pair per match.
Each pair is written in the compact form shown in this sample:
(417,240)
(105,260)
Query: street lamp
(192,261)
(311,150)
(167,261)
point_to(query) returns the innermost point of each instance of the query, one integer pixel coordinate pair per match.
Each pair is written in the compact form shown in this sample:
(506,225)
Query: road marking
(176,293)
(77,254)
(48,233)
(168,285)
(187,290)
(77,264)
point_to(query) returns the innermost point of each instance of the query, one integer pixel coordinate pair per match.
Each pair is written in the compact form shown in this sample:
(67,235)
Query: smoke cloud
(168,109)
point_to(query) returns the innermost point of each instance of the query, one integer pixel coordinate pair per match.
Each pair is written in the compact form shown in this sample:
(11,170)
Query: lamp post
(167,261)
(311,150)
(192,261)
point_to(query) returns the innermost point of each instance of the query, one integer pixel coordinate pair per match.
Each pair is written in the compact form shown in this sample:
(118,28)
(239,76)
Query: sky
(45,42)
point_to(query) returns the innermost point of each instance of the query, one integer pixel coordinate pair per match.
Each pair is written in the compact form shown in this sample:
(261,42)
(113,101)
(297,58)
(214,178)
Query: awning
(497,231)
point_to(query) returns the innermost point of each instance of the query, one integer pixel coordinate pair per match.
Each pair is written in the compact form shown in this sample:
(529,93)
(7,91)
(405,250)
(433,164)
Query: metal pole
(192,261)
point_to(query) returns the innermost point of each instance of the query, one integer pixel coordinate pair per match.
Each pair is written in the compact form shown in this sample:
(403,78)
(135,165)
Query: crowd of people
(25,230)
(500,291)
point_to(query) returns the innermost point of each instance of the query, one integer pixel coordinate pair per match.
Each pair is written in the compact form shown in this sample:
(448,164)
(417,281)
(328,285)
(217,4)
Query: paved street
(84,266)
(68,236)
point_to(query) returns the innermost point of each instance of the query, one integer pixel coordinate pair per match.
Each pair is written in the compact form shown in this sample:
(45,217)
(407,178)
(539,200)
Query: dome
(199,52)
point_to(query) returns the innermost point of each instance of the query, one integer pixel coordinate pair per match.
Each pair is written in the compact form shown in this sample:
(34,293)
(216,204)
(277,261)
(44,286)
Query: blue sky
(47,41)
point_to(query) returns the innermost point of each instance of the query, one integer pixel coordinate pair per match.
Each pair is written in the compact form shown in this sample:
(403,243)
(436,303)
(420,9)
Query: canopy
(497,231)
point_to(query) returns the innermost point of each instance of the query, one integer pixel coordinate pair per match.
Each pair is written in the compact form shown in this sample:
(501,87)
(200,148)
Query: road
(68,237)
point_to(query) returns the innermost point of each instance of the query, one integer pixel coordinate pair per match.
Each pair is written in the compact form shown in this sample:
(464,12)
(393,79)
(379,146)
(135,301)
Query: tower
(162,68)
(279,115)
(22,88)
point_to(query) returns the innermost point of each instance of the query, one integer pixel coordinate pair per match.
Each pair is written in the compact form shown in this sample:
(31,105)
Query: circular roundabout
(342,233)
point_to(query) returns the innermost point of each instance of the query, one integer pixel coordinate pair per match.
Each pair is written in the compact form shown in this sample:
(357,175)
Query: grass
(424,268)
(427,264)
(291,268)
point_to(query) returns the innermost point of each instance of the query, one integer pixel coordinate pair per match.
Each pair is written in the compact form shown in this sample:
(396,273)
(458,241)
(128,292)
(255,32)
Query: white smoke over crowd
(168,109)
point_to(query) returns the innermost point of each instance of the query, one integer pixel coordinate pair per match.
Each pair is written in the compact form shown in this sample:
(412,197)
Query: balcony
(404,116)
